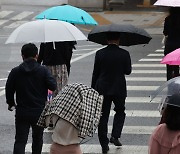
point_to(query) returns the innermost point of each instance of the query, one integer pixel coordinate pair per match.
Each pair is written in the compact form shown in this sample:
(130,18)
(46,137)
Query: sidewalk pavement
(151,21)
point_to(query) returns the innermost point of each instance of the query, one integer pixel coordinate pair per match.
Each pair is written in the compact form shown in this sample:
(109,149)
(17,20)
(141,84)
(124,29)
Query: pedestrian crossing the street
(135,129)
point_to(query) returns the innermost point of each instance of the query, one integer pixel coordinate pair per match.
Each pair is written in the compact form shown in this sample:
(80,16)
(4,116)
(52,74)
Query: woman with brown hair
(166,137)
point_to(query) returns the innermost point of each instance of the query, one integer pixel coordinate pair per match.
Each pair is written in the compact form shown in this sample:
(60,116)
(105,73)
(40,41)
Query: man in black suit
(110,67)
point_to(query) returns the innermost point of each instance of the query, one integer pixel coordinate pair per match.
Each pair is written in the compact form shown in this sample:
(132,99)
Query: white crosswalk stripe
(90,148)
(148,65)
(3,21)
(2,92)
(142,88)
(4,13)
(86,49)
(159,50)
(155,55)
(22,15)
(140,100)
(145,78)
(2,87)
(125,149)
(2,79)
(148,59)
(88,45)
(139,113)
(83,56)
(149,71)
(15,24)
(127,130)
(16,19)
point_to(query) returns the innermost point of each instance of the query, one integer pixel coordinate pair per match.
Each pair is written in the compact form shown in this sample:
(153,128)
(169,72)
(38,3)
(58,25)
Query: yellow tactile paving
(101,20)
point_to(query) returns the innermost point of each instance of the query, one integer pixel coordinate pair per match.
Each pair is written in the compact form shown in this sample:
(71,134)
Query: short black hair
(29,50)
(172,115)
(112,36)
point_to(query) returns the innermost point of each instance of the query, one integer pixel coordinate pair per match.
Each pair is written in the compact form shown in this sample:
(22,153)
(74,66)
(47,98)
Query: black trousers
(118,121)
(23,124)
(172,71)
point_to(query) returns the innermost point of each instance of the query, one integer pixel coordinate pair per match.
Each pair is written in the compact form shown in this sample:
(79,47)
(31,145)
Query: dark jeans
(23,124)
(118,121)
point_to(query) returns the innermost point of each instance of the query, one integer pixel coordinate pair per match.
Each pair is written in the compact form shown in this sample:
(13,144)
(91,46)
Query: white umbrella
(45,31)
(171,3)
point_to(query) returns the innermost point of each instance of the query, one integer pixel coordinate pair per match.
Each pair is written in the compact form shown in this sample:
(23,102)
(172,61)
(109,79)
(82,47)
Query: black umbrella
(129,34)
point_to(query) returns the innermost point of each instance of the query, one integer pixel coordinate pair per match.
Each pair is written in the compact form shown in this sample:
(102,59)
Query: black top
(57,54)
(111,65)
(30,81)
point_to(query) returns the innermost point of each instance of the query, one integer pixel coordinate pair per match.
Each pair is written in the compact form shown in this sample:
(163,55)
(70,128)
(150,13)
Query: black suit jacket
(110,67)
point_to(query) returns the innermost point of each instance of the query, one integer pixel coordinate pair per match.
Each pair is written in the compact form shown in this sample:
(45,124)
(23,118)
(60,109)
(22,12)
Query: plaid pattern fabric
(79,105)
(60,73)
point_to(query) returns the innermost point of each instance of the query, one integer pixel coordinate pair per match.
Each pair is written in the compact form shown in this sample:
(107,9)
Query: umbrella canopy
(69,14)
(165,91)
(174,100)
(129,34)
(171,3)
(169,88)
(45,31)
(173,58)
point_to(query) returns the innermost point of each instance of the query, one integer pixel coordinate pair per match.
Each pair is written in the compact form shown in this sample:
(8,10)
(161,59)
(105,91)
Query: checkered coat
(79,105)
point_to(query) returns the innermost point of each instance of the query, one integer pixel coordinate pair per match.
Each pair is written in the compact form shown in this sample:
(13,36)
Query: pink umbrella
(172,58)
(171,3)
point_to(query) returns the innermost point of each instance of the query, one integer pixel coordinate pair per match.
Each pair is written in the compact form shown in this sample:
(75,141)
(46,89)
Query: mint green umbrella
(69,14)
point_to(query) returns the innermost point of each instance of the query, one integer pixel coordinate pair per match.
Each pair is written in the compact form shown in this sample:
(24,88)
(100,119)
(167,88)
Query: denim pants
(23,124)
(118,121)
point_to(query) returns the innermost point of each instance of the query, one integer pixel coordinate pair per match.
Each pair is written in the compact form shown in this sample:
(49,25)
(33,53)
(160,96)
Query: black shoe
(105,149)
(115,141)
